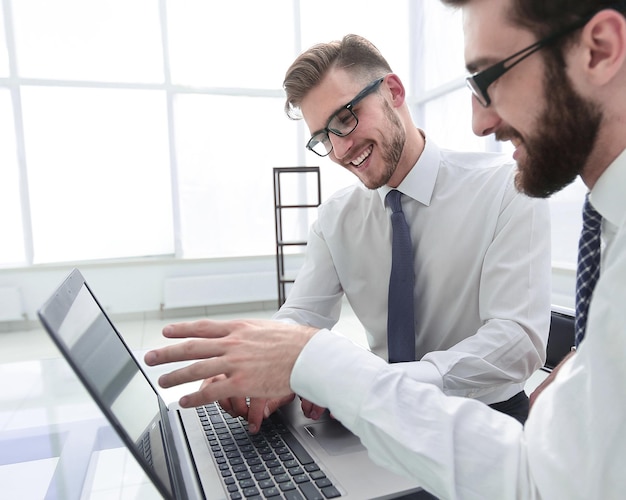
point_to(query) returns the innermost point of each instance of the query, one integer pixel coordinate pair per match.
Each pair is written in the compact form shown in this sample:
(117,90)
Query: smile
(359,160)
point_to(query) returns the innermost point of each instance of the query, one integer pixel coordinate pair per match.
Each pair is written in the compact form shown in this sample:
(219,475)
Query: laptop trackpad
(334,437)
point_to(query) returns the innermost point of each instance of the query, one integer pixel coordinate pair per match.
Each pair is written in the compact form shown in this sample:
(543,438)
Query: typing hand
(241,358)
(311,410)
(254,410)
(236,407)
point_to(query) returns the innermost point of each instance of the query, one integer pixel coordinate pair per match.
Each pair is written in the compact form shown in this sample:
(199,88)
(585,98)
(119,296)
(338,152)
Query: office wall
(136,288)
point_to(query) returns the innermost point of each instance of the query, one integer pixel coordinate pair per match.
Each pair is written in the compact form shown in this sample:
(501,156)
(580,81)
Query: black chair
(560,338)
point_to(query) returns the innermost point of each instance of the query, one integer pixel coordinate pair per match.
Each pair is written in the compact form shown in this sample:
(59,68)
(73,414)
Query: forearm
(486,365)
(411,427)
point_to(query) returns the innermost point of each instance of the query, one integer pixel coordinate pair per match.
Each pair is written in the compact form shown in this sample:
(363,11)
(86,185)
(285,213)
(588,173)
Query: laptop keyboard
(144,448)
(270,464)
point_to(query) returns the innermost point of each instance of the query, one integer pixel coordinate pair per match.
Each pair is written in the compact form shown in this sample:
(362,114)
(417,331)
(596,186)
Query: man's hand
(311,410)
(254,410)
(235,359)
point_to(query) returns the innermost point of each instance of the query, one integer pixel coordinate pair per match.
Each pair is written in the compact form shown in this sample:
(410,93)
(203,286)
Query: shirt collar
(607,195)
(419,183)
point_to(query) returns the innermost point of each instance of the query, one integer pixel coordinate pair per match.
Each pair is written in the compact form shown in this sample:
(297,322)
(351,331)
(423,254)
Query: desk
(56,444)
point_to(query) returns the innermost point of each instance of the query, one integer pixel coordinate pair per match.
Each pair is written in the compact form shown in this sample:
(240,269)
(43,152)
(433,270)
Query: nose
(485,121)
(341,145)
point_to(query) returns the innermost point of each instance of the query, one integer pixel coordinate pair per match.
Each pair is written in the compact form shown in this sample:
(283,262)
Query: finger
(311,410)
(226,405)
(256,413)
(211,380)
(184,351)
(307,407)
(204,328)
(211,392)
(317,412)
(194,372)
(273,404)
(239,407)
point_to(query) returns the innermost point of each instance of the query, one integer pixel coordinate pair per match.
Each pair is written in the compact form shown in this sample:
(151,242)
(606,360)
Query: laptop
(204,453)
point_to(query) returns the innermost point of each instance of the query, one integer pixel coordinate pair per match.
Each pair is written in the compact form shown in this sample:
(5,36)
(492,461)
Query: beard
(567,132)
(391,149)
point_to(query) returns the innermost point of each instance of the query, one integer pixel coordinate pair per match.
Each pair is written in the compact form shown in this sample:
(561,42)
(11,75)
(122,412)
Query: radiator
(11,304)
(218,289)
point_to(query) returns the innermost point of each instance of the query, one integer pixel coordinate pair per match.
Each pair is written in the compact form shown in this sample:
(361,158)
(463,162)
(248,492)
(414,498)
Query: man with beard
(550,76)
(481,294)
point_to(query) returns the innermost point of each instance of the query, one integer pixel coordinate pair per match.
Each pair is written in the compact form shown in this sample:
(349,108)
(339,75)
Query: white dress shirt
(573,445)
(482,271)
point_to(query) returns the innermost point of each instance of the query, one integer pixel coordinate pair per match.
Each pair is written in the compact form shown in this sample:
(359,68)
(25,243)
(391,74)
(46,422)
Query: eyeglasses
(341,123)
(479,82)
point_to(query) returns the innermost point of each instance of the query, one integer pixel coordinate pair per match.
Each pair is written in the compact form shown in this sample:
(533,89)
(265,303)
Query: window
(224,163)
(90,199)
(162,120)
(242,44)
(12,248)
(95,40)
(446,113)
(386,25)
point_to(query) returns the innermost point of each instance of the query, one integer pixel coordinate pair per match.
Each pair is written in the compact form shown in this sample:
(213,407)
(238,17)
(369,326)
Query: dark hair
(543,17)
(353,53)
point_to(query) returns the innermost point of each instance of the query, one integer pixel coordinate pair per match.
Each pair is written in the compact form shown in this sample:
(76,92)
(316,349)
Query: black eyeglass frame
(480,81)
(322,137)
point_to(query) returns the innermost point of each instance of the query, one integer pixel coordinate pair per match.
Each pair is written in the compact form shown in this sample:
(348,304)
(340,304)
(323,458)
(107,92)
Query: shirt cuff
(331,363)
(422,371)
(335,373)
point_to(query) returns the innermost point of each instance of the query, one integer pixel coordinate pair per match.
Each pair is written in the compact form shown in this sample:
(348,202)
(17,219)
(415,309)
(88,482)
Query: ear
(604,42)
(394,84)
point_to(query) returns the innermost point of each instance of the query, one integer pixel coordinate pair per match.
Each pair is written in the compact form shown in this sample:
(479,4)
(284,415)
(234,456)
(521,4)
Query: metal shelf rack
(280,208)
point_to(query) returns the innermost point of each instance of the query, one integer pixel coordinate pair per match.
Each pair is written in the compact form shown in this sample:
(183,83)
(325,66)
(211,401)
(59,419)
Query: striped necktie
(400,311)
(588,268)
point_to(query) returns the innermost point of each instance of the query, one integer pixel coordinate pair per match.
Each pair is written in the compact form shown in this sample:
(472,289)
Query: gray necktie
(400,313)
(588,269)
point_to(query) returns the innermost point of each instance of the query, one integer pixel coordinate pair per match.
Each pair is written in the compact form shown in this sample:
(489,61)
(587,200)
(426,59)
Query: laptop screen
(106,367)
